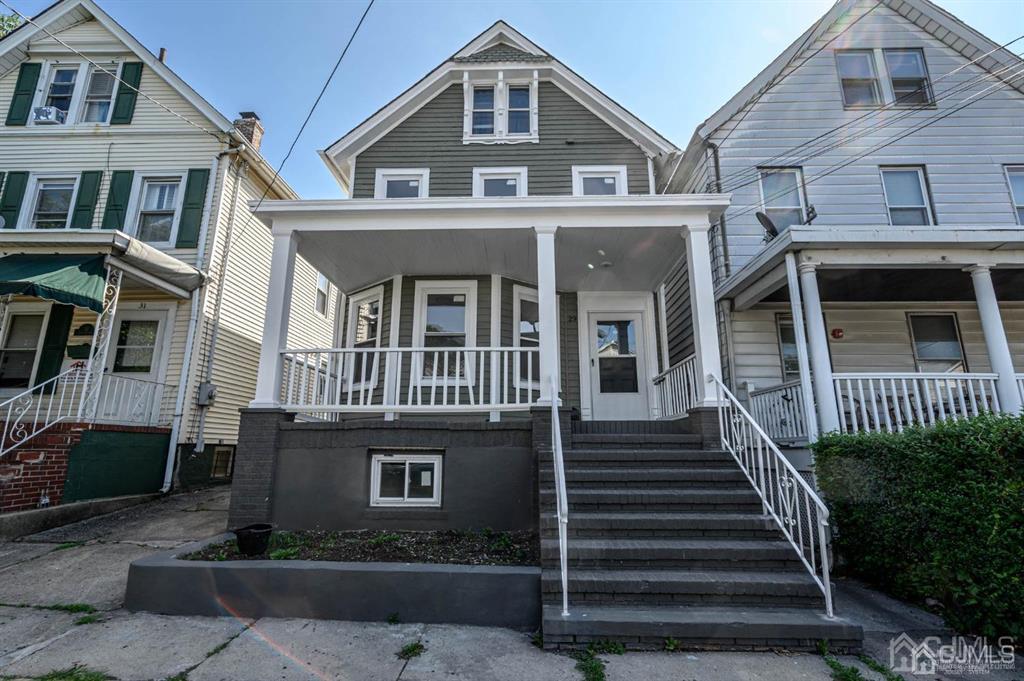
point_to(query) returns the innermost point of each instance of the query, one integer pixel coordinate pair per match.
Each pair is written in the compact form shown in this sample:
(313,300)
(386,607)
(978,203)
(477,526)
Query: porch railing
(785,495)
(891,402)
(780,411)
(322,381)
(40,407)
(678,388)
(130,401)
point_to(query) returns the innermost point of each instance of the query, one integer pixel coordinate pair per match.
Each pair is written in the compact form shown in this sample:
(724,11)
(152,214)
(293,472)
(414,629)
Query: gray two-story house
(529,342)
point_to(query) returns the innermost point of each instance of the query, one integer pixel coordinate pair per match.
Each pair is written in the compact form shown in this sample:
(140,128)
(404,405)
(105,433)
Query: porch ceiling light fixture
(590,265)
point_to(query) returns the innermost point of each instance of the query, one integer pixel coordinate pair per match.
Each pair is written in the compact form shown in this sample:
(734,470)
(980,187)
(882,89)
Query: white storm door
(617,366)
(131,391)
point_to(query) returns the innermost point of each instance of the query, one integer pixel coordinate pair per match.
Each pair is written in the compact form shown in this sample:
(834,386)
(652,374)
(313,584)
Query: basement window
(223,461)
(405,479)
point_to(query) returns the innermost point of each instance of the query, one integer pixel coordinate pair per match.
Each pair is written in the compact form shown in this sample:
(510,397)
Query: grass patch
(840,671)
(671,645)
(383,538)
(75,674)
(287,553)
(876,666)
(393,618)
(88,619)
(591,666)
(73,608)
(607,648)
(69,545)
(411,650)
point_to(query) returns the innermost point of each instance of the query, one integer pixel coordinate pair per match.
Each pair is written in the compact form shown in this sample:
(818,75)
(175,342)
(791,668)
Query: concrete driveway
(49,581)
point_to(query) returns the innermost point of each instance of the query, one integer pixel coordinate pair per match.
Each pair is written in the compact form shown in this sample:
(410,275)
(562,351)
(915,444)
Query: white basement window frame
(422,472)
(31,204)
(398,183)
(466,288)
(585,178)
(902,208)
(487,179)
(495,111)
(357,334)
(151,197)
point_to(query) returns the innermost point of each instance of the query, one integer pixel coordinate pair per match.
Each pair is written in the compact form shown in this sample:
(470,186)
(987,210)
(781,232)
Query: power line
(112,74)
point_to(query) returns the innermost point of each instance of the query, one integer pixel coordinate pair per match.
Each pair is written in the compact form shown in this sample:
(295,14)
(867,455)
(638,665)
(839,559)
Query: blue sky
(671,63)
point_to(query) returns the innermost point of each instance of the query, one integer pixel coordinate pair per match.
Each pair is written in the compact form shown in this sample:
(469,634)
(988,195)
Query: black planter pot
(253,539)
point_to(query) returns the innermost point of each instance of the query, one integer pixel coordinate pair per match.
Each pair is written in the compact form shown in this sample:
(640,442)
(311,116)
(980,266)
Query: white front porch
(489,306)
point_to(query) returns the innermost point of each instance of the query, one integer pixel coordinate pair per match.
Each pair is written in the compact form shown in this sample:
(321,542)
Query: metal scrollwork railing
(39,408)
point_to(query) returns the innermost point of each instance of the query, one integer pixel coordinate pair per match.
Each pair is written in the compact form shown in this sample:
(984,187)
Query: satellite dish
(770,230)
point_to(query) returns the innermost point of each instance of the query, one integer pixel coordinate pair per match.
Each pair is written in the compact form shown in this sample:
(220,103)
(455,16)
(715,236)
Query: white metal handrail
(40,407)
(890,402)
(677,388)
(561,497)
(780,411)
(785,496)
(129,400)
(323,381)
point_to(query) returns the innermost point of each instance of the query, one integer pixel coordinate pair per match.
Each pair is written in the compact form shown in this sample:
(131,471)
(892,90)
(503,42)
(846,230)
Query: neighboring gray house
(911,287)
(528,331)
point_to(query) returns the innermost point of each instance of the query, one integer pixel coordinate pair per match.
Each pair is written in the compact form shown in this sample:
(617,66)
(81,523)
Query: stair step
(647,440)
(659,499)
(629,427)
(719,627)
(632,457)
(636,477)
(671,524)
(737,554)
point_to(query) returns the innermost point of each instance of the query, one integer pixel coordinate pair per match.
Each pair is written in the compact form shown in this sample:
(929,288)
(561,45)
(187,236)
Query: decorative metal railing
(561,498)
(780,411)
(39,408)
(785,496)
(678,388)
(891,402)
(322,381)
(131,401)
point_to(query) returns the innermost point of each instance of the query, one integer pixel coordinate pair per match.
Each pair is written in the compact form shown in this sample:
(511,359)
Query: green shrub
(935,513)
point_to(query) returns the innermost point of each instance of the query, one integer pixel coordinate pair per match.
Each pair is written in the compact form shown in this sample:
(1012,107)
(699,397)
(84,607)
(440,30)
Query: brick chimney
(249,125)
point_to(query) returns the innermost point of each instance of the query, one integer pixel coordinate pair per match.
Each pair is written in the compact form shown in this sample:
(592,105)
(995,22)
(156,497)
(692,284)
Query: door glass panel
(616,356)
(136,344)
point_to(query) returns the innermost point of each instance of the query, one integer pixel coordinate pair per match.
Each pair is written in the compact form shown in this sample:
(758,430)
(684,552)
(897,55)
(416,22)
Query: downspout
(193,323)
(240,171)
(721,220)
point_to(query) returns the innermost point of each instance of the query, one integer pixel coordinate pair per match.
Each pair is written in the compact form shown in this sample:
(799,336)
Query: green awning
(71,279)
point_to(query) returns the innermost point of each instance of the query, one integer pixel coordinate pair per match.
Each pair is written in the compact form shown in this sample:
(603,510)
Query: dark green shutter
(192,208)
(10,202)
(85,202)
(117,199)
(127,92)
(24,93)
(54,341)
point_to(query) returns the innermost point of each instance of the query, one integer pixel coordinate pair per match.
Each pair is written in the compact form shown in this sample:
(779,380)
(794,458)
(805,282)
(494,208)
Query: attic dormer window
(501,110)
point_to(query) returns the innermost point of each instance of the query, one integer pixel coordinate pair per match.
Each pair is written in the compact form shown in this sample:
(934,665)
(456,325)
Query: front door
(131,392)
(617,362)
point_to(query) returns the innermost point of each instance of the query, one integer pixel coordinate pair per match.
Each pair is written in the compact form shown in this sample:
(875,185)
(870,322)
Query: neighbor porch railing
(1020,385)
(780,411)
(785,495)
(678,388)
(890,402)
(321,381)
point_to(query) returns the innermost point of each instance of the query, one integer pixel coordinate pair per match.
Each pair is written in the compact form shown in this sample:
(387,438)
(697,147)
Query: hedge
(934,513)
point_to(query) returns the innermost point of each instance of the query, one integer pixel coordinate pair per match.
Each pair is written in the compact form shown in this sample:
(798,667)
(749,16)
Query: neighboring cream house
(126,230)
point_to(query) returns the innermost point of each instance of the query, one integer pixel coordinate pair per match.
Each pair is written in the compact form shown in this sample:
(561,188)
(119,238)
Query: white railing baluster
(678,386)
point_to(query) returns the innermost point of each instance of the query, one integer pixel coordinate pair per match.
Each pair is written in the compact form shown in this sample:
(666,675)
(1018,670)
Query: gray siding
(679,322)
(964,154)
(432,138)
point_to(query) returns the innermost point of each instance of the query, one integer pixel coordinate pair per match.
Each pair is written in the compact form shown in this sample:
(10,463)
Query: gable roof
(500,45)
(65,14)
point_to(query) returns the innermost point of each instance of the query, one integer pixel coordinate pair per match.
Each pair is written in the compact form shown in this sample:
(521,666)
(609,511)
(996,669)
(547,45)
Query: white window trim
(135,204)
(520,293)
(888,92)
(956,327)
(26,308)
(28,204)
(354,301)
(327,295)
(77,107)
(466,287)
(621,175)
(924,192)
(504,80)
(375,465)
(780,320)
(380,182)
(799,187)
(1016,202)
(880,88)
(518,173)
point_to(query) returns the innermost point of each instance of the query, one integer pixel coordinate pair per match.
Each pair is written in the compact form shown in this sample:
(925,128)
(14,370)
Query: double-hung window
(405,479)
(498,182)
(526,332)
(52,205)
(599,181)
(787,348)
(22,342)
(60,91)
(906,196)
(402,183)
(936,342)
(858,78)
(323,294)
(364,318)
(1015,177)
(445,321)
(158,209)
(908,76)
(99,95)
(518,110)
(782,195)
(483,110)
(500,111)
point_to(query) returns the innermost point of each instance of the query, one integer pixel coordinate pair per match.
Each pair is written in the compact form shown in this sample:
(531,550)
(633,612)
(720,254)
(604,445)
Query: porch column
(800,337)
(547,304)
(101,338)
(995,339)
(702,310)
(817,338)
(275,323)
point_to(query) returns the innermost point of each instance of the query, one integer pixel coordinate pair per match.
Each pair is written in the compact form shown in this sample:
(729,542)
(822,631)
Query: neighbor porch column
(800,337)
(547,305)
(275,323)
(702,310)
(995,340)
(817,339)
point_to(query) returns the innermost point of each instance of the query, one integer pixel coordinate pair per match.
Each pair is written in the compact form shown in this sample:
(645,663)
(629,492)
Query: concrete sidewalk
(87,564)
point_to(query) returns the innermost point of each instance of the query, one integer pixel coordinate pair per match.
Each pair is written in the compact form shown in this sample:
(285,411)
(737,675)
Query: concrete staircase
(667,541)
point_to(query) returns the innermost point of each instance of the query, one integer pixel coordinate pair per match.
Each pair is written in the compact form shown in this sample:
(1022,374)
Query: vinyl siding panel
(679,321)
(432,137)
